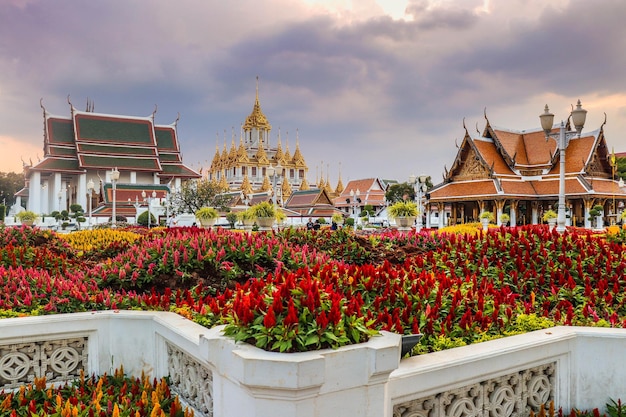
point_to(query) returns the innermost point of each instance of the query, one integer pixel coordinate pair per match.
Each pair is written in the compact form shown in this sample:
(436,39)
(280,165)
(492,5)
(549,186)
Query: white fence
(573,366)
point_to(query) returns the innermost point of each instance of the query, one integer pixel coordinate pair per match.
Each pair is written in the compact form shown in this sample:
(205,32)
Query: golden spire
(298,159)
(266,186)
(257,119)
(304,185)
(224,157)
(261,156)
(242,155)
(213,182)
(279,158)
(329,190)
(246,187)
(287,156)
(215,164)
(232,154)
(286,188)
(340,186)
(223,185)
(320,183)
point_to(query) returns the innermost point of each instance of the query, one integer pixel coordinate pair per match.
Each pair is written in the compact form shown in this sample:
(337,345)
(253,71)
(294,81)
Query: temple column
(45,197)
(56,189)
(133,177)
(588,206)
(427,215)
(34,192)
(513,215)
(81,192)
(442,215)
(534,217)
(499,211)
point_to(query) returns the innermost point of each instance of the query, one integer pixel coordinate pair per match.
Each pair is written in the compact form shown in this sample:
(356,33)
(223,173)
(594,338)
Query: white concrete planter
(265,223)
(405,222)
(207,222)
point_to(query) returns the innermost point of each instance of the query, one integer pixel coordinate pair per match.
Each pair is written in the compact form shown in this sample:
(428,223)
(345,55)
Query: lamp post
(137,205)
(115,175)
(274,173)
(547,119)
(90,187)
(149,200)
(419,183)
(355,199)
(60,196)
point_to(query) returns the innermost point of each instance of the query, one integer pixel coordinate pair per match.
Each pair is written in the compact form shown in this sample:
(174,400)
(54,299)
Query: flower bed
(109,395)
(301,290)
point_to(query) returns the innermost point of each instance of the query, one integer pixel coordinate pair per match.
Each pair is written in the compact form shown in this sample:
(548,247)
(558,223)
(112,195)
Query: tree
(194,195)
(397,192)
(10,183)
(142,220)
(404,191)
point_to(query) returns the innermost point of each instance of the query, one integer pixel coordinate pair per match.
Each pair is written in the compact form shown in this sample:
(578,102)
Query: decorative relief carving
(512,395)
(57,360)
(191,380)
(472,168)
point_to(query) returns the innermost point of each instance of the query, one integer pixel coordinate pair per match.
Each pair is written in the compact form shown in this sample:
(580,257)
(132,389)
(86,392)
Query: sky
(371,88)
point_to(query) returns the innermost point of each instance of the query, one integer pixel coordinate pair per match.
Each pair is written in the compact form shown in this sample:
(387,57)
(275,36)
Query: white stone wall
(574,366)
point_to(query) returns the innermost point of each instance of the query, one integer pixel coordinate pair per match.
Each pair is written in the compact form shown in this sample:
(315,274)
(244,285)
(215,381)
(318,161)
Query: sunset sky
(379,88)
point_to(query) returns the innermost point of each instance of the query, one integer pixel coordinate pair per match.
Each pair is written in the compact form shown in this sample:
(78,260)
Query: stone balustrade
(572,366)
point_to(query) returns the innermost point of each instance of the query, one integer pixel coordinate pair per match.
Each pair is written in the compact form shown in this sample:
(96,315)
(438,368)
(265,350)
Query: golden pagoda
(246,166)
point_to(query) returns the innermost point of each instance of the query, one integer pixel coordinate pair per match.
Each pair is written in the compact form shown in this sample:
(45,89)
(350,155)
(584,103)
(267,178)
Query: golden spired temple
(244,167)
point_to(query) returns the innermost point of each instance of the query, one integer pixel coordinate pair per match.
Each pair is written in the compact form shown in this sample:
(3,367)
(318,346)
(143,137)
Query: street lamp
(115,175)
(419,183)
(90,187)
(547,119)
(274,173)
(355,200)
(149,200)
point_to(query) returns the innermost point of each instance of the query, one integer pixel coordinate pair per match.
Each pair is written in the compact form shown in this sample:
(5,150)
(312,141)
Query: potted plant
(504,219)
(550,217)
(596,214)
(207,216)
(265,214)
(246,217)
(280,216)
(404,213)
(486,217)
(26,217)
(337,218)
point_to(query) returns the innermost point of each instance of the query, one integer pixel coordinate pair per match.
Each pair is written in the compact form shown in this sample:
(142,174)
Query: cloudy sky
(376,87)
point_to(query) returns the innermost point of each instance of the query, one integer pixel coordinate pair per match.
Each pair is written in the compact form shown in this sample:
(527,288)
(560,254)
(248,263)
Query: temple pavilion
(83,149)
(517,173)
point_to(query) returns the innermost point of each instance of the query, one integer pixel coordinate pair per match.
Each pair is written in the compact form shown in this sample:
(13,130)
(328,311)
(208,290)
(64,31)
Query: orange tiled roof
(371,192)
(464,189)
(492,157)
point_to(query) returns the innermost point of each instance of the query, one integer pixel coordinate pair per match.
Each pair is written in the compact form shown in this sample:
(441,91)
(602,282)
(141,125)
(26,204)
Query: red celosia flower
(270,319)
